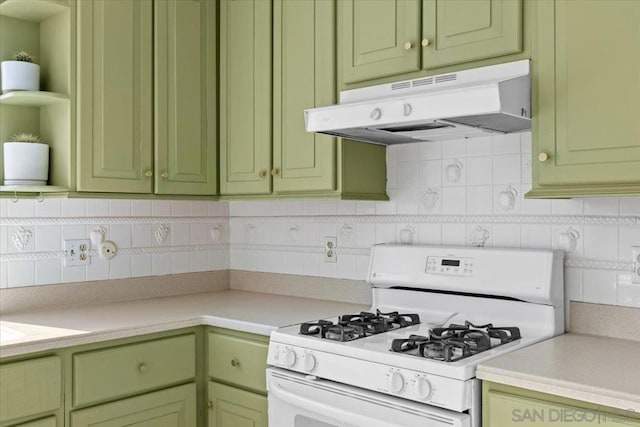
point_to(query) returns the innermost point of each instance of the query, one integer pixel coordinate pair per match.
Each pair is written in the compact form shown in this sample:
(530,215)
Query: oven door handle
(325,410)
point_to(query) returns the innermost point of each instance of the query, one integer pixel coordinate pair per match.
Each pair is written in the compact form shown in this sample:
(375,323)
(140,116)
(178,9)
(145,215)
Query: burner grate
(456,342)
(355,326)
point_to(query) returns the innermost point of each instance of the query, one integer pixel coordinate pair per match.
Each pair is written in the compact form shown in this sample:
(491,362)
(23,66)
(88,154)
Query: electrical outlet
(635,276)
(330,243)
(76,252)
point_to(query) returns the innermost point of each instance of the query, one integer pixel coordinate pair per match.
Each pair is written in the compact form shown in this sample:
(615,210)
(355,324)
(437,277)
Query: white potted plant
(26,160)
(20,74)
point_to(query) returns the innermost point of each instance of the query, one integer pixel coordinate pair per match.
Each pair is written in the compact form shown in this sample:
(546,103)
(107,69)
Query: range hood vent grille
(446,78)
(402,85)
(422,82)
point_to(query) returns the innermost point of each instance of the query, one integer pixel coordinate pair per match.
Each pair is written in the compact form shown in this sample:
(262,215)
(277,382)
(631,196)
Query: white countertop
(589,368)
(245,311)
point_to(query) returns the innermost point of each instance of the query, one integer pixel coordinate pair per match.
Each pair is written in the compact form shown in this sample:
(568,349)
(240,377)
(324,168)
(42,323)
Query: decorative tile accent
(161,233)
(21,238)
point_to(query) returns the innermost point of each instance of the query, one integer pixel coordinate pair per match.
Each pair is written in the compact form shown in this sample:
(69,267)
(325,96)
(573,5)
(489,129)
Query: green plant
(25,137)
(23,57)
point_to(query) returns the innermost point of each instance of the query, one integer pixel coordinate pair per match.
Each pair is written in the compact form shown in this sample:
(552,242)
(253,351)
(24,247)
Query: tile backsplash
(462,192)
(153,238)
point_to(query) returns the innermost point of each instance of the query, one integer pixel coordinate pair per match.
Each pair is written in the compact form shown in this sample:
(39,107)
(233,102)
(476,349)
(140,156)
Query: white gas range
(410,360)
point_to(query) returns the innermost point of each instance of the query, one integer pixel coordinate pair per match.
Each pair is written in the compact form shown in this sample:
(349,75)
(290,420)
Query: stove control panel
(450,266)
(384,378)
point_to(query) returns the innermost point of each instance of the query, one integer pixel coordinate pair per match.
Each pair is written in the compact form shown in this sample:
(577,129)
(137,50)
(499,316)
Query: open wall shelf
(32,99)
(32,10)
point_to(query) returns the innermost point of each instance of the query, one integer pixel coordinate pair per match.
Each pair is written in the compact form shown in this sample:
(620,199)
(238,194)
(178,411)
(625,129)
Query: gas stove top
(431,322)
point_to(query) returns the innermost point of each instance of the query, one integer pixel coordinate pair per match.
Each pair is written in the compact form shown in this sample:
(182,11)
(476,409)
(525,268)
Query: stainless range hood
(466,104)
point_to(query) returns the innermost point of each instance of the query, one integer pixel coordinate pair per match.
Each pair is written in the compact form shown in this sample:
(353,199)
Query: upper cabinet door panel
(468,30)
(115,95)
(185,101)
(304,77)
(378,38)
(588,86)
(245,96)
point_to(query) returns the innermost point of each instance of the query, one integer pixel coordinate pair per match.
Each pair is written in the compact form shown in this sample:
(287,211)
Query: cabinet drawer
(238,361)
(106,374)
(30,388)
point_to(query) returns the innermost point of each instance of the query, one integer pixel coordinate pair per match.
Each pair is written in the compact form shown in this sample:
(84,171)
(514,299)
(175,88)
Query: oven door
(296,400)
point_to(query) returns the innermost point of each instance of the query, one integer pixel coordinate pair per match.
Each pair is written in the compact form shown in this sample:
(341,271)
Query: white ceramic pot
(20,75)
(26,163)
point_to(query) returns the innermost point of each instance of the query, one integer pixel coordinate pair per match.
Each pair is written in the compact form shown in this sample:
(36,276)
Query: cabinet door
(507,410)
(245,96)
(586,126)
(173,407)
(115,95)
(232,407)
(378,38)
(468,30)
(185,97)
(304,77)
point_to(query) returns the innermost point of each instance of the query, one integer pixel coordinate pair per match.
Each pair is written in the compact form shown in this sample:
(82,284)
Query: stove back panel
(529,275)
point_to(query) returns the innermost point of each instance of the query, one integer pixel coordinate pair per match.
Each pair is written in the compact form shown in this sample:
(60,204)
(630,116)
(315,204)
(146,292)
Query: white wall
(131,224)
(285,236)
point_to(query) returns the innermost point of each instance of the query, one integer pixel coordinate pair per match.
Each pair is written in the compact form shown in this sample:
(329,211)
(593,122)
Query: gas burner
(354,326)
(456,342)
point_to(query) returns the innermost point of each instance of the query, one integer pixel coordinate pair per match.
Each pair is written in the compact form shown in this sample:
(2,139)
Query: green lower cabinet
(30,389)
(232,407)
(173,407)
(506,406)
(586,132)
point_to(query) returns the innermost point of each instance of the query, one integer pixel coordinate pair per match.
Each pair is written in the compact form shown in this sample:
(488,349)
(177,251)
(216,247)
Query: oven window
(302,421)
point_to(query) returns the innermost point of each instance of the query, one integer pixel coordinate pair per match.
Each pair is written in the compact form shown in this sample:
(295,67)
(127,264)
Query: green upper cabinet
(460,31)
(147,96)
(115,95)
(304,77)
(381,38)
(586,132)
(283,160)
(185,97)
(378,38)
(245,96)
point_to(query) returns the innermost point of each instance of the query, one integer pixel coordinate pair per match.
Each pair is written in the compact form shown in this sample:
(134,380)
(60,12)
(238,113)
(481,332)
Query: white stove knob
(376,114)
(309,363)
(289,358)
(422,388)
(395,382)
